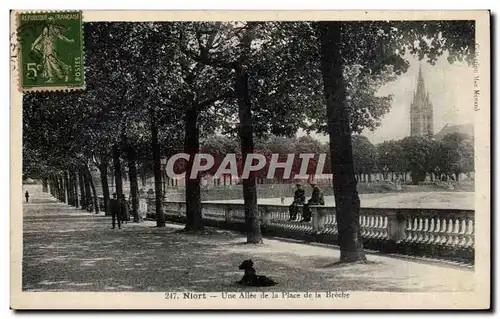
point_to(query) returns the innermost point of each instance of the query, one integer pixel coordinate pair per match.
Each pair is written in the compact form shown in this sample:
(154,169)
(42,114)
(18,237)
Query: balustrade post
(314,221)
(396,225)
(143,204)
(265,215)
(149,207)
(227,214)
(322,214)
(318,218)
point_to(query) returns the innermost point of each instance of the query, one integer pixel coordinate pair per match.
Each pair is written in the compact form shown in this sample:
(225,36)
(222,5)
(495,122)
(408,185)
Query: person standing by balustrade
(317,198)
(299,198)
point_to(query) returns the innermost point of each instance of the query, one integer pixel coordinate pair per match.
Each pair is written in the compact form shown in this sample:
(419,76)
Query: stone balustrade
(435,233)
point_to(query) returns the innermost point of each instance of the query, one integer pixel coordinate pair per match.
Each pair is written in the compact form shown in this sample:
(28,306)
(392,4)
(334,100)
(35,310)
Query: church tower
(422,121)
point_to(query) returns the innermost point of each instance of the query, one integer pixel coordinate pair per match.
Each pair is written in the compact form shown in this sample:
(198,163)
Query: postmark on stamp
(51,51)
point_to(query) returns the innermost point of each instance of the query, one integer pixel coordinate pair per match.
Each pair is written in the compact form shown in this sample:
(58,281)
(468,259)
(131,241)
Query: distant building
(422,120)
(466,129)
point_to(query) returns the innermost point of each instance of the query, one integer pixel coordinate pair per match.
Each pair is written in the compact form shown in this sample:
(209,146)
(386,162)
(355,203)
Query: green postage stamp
(50,52)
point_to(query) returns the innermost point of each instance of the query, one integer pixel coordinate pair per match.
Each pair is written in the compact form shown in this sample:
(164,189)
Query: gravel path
(67,249)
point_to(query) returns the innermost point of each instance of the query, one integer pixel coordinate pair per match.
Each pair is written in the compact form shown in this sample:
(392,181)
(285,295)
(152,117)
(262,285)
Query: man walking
(114,206)
(27,195)
(317,198)
(299,198)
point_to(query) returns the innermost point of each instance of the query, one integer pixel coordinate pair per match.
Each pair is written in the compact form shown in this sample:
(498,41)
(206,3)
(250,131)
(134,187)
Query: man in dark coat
(125,214)
(299,198)
(114,206)
(27,195)
(317,198)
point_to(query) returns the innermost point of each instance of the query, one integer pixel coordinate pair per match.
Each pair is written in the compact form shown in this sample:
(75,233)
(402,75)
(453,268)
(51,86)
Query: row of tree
(156,88)
(451,155)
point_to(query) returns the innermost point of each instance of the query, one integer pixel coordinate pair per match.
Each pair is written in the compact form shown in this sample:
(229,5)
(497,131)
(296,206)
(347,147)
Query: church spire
(420,93)
(421,109)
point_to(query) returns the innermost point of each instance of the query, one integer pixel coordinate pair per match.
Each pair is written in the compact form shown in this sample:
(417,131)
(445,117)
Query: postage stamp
(51,50)
(289,160)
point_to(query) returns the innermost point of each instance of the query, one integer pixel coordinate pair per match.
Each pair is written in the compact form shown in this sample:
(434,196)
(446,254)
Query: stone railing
(434,233)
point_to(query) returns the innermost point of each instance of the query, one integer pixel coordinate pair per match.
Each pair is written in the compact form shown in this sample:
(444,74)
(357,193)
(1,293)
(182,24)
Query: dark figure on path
(317,198)
(114,207)
(27,195)
(250,278)
(299,198)
(125,214)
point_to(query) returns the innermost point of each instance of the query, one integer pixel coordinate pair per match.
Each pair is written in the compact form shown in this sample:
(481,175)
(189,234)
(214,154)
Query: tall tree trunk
(53,189)
(86,183)
(56,188)
(194,219)
(134,187)
(95,200)
(83,195)
(118,172)
(142,173)
(63,189)
(52,186)
(103,170)
(347,201)
(74,177)
(247,147)
(71,194)
(68,188)
(164,184)
(160,218)
(45,187)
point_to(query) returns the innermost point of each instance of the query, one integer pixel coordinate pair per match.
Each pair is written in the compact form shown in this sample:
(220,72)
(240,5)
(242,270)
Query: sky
(450,88)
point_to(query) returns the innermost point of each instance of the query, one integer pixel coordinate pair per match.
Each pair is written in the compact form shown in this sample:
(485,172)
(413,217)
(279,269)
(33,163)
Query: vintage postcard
(250,160)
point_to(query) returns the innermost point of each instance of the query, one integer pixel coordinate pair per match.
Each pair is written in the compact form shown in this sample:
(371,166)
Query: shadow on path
(67,249)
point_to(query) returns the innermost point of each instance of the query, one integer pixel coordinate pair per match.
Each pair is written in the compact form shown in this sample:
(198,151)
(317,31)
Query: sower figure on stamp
(45,45)
(299,198)
(114,206)
(27,195)
(317,198)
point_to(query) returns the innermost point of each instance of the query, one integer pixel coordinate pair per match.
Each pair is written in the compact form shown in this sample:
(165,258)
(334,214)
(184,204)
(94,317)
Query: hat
(298,184)
(312,183)
(114,194)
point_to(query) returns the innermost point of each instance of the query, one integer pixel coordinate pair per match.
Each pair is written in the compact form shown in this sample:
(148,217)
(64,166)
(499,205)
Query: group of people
(299,199)
(119,210)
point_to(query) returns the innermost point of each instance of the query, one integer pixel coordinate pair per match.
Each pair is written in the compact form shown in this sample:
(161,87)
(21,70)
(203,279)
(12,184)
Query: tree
(375,46)
(390,158)
(203,89)
(270,61)
(457,151)
(364,156)
(344,183)
(417,152)
(136,58)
